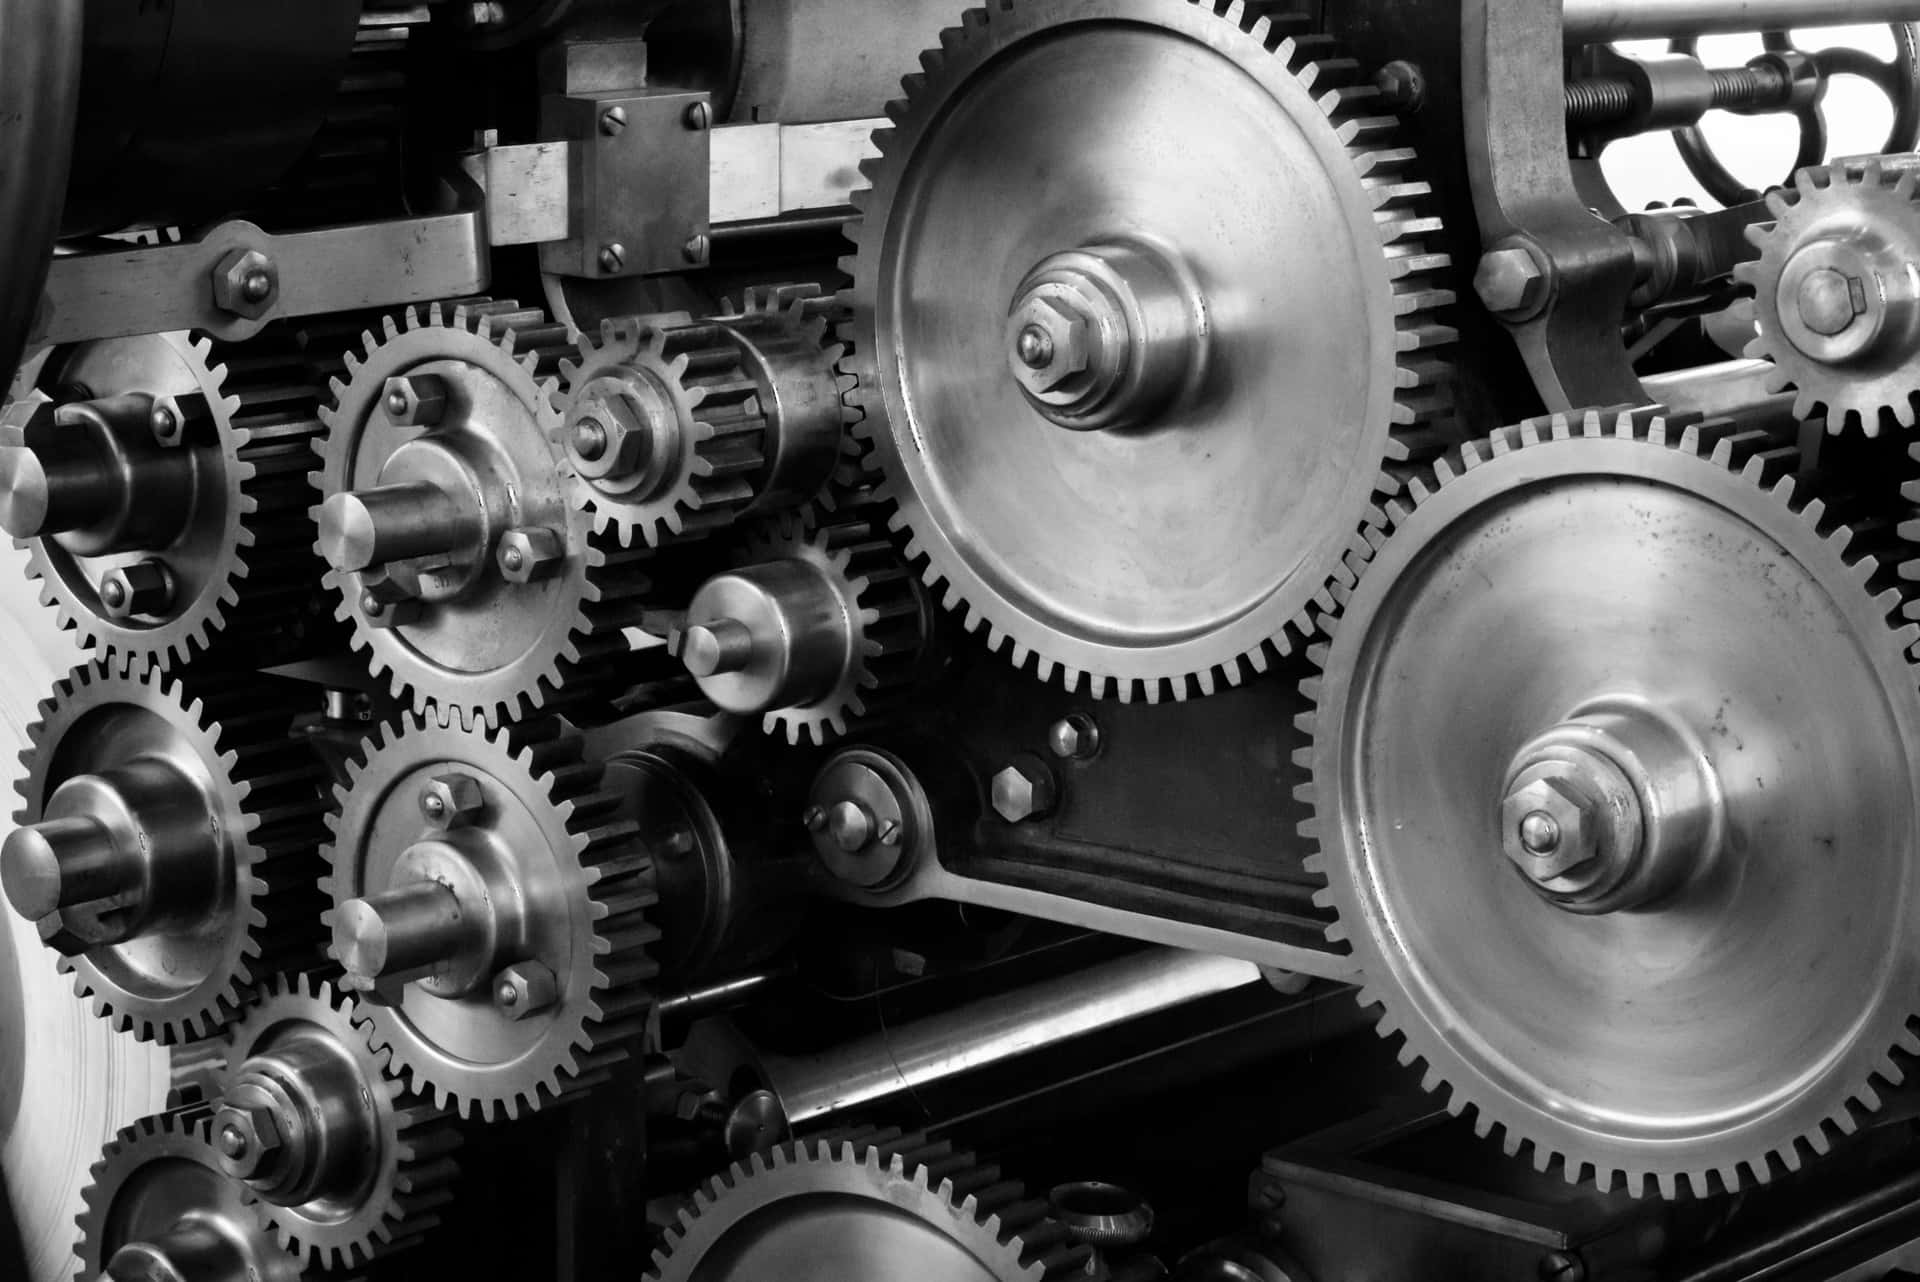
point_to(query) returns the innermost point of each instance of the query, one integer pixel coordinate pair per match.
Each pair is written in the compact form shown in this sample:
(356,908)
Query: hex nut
(30,413)
(1024,790)
(449,800)
(1074,737)
(1570,808)
(236,284)
(1067,330)
(1509,281)
(415,400)
(524,989)
(259,1131)
(143,588)
(528,553)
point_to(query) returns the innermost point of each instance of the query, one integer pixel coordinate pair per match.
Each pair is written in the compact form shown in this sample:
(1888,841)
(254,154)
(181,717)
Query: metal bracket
(637,179)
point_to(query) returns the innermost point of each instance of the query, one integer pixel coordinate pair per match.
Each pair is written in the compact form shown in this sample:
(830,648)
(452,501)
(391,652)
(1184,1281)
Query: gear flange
(165,844)
(1586,824)
(464,568)
(864,1207)
(1105,416)
(1835,300)
(493,905)
(349,1166)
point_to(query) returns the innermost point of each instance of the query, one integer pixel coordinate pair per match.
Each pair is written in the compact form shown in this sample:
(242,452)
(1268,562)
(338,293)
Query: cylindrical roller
(401,932)
(62,862)
(391,523)
(1597,21)
(766,636)
(52,490)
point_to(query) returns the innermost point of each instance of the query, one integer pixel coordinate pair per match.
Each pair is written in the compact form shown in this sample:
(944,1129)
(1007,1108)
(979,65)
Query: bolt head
(611,434)
(417,400)
(1402,85)
(450,800)
(697,249)
(163,423)
(529,552)
(612,258)
(1555,807)
(613,121)
(1830,300)
(143,588)
(1054,324)
(1022,791)
(525,989)
(851,826)
(1073,738)
(699,117)
(1508,281)
(246,284)
(589,439)
(247,1134)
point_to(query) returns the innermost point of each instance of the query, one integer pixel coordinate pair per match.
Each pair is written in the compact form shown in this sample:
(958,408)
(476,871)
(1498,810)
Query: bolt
(851,826)
(1034,347)
(699,117)
(697,248)
(1074,737)
(613,257)
(257,286)
(1539,833)
(530,552)
(385,602)
(1562,1266)
(449,800)
(1268,1197)
(163,423)
(1551,826)
(613,120)
(1402,86)
(1829,300)
(235,290)
(417,400)
(1024,790)
(1509,281)
(525,988)
(716,646)
(248,1133)
(814,818)
(1053,325)
(146,587)
(890,833)
(589,438)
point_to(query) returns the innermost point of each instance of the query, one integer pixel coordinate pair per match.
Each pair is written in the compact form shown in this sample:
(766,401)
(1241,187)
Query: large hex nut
(449,800)
(1509,282)
(1575,815)
(525,988)
(143,588)
(247,1134)
(1024,790)
(415,400)
(528,553)
(1069,339)
(246,283)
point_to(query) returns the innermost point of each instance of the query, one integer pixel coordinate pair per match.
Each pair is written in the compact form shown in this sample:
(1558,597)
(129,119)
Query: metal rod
(39,101)
(1599,21)
(999,1028)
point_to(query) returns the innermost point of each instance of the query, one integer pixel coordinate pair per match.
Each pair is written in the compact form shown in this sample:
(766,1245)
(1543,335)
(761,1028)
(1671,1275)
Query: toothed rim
(1818,386)
(583,638)
(180,1134)
(1758,471)
(1298,60)
(1013,1237)
(270,924)
(226,598)
(722,428)
(415,1176)
(604,1000)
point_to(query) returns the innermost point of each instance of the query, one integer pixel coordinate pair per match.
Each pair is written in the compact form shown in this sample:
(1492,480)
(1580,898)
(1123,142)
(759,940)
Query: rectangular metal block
(637,177)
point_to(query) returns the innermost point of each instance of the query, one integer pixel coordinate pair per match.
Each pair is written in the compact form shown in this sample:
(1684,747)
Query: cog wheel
(350,1168)
(163,506)
(1104,415)
(158,1198)
(165,842)
(1836,308)
(678,428)
(817,627)
(1586,824)
(463,567)
(865,1207)
(493,906)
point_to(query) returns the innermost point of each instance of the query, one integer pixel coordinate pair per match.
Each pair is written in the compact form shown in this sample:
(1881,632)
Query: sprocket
(1584,821)
(1104,415)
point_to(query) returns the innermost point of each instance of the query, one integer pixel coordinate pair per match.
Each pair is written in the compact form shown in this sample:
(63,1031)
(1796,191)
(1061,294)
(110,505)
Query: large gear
(465,570)
(677,428)
(868,1207)
(1138,471)
(834,624)
(166,841)
(158,1198)
(1586,826)
(352,1168)
(164,501)
(495,910)
(1836,308)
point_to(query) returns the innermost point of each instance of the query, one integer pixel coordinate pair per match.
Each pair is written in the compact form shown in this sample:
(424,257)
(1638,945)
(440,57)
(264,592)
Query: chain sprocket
(225,738)
(397,1201)
(552,820)
(1604,571)
(873,1199)
(1162,556)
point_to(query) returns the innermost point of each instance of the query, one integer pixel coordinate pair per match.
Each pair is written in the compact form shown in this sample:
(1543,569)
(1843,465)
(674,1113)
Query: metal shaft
(395,523)
(401,933)
(1598,21)
(47,493)
(1001,1028)
(193,1251)
(48,866)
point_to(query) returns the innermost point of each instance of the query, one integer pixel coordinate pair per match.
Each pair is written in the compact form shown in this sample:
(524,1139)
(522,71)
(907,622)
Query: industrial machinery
(783,640)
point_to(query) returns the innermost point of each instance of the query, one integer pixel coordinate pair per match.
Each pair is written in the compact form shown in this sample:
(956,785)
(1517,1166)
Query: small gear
(493,907)
(159,1196)
(677,428)
(163,505)
(350,1168)
(818,626)
(1586,824)
(1834,300)
(880,1205)
(1054,405)
(464,568)
(165,844)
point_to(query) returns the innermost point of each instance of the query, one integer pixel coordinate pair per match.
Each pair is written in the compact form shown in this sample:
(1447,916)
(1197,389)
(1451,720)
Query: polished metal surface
(1116,554)
(1595,21)
(1591,578)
